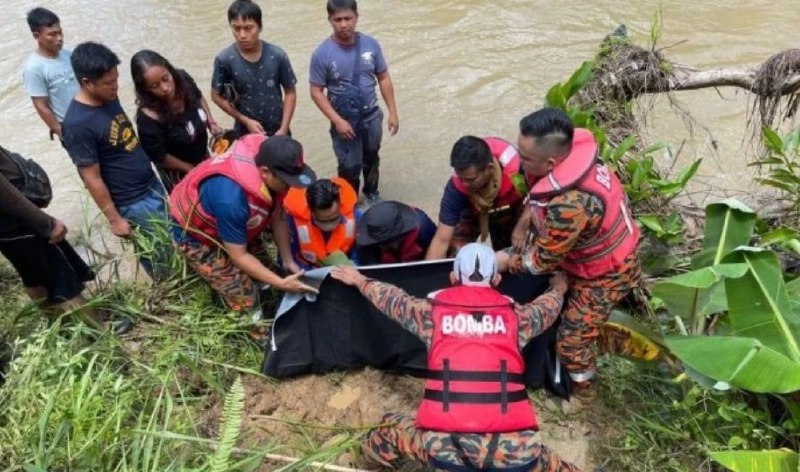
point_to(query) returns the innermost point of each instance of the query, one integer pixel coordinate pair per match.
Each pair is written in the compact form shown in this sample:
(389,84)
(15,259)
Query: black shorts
(56,267)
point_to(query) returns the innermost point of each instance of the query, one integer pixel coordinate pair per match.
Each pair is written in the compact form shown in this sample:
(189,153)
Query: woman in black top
(172,118)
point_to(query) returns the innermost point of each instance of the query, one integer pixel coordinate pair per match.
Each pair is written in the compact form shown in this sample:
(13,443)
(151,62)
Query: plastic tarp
(339,329)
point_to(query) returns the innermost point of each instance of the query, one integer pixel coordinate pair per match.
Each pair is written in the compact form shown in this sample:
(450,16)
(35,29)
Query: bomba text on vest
(465,324)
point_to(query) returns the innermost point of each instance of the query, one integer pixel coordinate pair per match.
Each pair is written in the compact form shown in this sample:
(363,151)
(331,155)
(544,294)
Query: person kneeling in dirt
(476,413)
(579,213)
(222,207)
(33,242)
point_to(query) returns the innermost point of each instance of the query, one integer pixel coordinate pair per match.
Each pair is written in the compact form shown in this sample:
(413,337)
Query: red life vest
(238,164)
(313,248)
(475,368)
(409,250)
(508,157)
(618,234)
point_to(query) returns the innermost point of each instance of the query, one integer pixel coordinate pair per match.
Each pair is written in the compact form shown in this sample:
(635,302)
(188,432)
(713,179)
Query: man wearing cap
(322,223)
(580,216)
(475,414)
(224,205)
(392,232)
(483,198)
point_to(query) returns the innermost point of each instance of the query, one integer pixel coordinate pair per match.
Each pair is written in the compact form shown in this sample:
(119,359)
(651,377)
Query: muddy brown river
(459,66)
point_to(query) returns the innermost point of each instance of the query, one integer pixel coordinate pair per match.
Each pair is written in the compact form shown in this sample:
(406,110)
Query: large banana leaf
(793,290)
(698,293)
(729,224)
(758,303)
(781,460)
(742,362)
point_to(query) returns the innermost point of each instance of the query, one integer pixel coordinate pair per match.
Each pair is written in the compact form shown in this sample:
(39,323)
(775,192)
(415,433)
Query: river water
(459,67)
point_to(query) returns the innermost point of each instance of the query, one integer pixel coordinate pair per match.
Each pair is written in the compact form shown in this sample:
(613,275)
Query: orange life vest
(475,369)
(618,234)
(313,247)
(238,164)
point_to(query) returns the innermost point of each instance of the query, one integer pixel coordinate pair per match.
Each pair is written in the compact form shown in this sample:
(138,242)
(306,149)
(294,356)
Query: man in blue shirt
(222,207)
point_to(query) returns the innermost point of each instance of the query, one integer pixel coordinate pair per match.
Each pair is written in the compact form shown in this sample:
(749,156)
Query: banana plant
(693,296)
(779,460)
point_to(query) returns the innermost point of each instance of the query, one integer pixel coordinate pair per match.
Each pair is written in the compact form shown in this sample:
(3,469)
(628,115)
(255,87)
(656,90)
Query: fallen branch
(625,72)
(687,78)
(292,460)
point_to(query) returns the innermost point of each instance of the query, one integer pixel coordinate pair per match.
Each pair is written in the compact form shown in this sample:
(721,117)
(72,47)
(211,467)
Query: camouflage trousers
(517,452)
(236,288)
(588,305)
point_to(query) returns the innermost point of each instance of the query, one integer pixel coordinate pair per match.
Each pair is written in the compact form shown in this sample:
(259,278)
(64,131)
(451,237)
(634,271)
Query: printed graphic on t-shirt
(122,133)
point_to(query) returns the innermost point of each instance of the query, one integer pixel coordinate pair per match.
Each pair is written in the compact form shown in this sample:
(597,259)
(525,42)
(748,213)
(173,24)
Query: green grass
(76,399)
(656,421)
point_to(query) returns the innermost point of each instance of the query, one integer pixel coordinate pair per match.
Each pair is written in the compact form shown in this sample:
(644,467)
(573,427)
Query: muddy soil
(358,400)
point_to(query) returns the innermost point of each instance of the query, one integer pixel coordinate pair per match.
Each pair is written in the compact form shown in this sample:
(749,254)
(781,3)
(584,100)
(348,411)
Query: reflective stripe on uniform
(349,228)
(553,182)
(303,234)
(507,155)
(584,376)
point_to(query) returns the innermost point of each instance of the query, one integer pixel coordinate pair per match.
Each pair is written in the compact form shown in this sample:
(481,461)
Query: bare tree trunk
(688,78)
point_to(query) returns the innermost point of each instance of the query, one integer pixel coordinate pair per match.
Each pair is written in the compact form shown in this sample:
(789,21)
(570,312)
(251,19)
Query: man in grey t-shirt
(48,76)
(250,74)
(351,104)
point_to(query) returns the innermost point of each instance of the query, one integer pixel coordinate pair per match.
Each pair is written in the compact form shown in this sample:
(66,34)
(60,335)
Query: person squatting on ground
(253,81)
(173,118)
(483,198)
(349,64)
(117,172)
(475,414)
(52,273)
(583,225)
(48,76)
(391,232)
(322,222)
(222,207)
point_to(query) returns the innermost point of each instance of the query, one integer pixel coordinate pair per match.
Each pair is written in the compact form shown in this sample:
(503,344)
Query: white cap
(475,258)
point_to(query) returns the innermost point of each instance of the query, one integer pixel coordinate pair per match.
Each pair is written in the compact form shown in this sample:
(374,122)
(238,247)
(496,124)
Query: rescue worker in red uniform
(322,221)
(392,232)
(483,198)
(475,414)
(222,207)
(582,223)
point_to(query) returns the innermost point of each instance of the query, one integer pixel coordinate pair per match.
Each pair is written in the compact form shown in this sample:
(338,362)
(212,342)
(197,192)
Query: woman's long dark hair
(184,87)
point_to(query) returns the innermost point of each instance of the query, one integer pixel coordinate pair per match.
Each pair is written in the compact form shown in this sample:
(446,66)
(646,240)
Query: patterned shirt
(255,88)
(415,314)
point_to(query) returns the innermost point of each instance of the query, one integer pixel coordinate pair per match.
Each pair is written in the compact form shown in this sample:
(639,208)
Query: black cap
(283,156)
(385,221)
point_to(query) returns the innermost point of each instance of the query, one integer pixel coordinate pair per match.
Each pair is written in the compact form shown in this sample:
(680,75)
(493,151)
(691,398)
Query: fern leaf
(230,428)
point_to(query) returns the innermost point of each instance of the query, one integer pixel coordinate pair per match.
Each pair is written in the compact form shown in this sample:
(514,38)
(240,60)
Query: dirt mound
(305,412)
(355,400)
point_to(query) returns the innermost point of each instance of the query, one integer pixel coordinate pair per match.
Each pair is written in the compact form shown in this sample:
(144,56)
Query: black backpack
(33,183)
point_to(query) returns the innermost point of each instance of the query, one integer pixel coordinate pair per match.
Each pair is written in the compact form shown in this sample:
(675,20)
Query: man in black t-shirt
(101,141)
(250,74)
